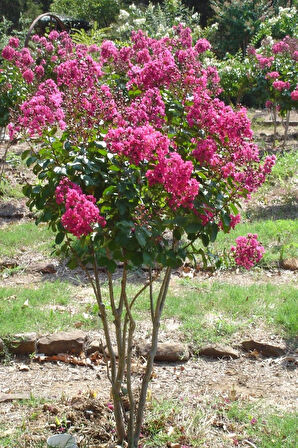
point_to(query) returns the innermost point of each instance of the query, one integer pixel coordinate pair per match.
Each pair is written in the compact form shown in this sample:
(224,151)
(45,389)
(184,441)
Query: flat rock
(265,349)
(218,351)
(44,268)
(63,342)
(290,263)
(166,351)
(22,344)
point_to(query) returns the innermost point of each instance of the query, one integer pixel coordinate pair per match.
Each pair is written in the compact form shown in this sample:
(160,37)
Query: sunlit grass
(27,309)
(14,238)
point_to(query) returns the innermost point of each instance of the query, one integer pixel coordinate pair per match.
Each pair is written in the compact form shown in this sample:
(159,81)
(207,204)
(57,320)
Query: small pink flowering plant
(275,68)
(138,159)
(248,251)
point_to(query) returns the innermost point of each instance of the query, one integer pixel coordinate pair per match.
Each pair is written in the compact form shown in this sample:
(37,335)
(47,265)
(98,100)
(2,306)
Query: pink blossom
(35,38)
(25,57)
(94,49)
(185,38)
(205,151)
(248,251)
(39,71)
(138,144)
(175,176)
(62,189)
(53,35)
(281,85)
(202,45)
(14,42)
(8,53)
(28,75)
(148,108)
(264,62)
(280,47)
(108,50)
(294,95)
(81,212)
(49,47)
(268,104)
(43,109)
(235,219)
(272,75)
(251,50)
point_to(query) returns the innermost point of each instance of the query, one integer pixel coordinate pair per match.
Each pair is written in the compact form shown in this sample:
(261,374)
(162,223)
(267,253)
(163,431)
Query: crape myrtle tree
(136,159)
(274,66)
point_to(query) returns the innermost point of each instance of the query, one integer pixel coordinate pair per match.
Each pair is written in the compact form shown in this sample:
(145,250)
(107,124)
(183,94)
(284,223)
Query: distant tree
(238,21)
(103,12)
(203,8)
(29,9)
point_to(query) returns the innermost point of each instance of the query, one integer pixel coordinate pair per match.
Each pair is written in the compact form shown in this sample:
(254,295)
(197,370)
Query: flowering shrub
(248,250)
(138,158)
(275,67)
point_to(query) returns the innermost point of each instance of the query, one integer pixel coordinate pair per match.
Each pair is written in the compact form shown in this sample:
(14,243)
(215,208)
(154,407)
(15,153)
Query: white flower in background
(123,28)
(123,14)
(161,29)
(133,7)
(139,22)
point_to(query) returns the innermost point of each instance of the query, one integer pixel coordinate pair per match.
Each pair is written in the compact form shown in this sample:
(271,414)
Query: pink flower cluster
(21,59)
(280,57)
(235,219)
(264,62)
(81,212)
(248,251)
(43,109)
(280,47)
(175,176)
(272,75)
(149,108)
(140,125)
(137,144)
(281,85)
(202,45)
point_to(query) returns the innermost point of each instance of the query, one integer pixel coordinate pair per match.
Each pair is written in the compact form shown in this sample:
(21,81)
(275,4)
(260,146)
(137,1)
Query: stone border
(77,342)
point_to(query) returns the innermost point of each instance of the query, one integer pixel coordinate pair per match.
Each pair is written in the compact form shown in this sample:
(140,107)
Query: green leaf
(31,160)
(25,154)
(59,238)
(234,209)
(213,232)
(193,227)
(61,170)
(204,258)
(109,190)
(226,220)
(140,237)
(205,239)
(147,259)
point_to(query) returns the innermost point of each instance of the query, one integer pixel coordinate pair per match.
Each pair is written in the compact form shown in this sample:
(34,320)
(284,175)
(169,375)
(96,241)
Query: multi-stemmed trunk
(119,362)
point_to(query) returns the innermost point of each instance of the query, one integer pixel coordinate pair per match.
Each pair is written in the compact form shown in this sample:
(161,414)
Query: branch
(148,283)
(152,353)
(151,295)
